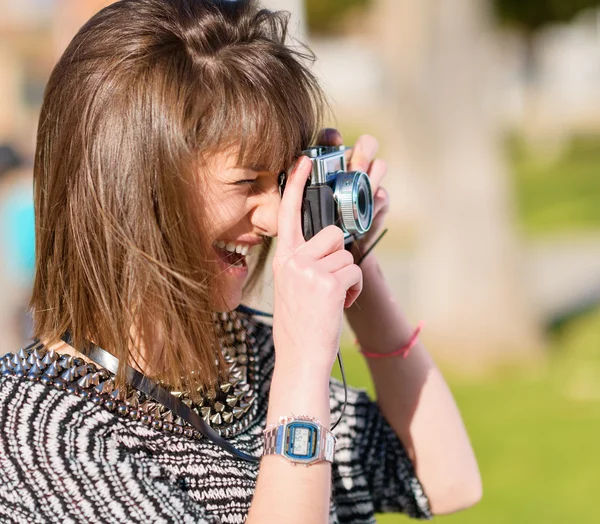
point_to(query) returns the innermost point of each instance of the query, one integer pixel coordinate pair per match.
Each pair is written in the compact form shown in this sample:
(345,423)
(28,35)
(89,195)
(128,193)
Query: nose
(265,213)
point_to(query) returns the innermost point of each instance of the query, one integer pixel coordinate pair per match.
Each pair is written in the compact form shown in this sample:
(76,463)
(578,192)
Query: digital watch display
(301,440)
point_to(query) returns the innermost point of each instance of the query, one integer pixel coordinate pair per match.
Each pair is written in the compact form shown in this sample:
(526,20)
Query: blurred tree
(530,15)
(325,18)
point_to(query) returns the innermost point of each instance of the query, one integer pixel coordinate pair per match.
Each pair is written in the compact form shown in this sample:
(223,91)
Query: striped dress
(67,459)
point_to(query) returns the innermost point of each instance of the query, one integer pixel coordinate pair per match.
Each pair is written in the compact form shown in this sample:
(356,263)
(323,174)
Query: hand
(314,281)
(363,159)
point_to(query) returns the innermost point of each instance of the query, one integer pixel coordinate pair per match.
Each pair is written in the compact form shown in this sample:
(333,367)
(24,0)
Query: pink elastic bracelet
(403,351)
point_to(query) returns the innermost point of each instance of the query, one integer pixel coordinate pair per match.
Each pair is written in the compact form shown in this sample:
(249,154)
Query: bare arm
(285,492)
(313,283)
(411,393)
(415,399)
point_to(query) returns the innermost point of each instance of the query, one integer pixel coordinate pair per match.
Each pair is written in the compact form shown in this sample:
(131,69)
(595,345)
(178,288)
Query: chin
(228,301)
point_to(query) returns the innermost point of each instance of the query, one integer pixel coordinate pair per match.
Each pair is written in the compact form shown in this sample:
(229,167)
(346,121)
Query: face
(242,206)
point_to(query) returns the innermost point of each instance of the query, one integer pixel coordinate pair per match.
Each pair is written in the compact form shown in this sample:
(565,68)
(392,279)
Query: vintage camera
(334,195)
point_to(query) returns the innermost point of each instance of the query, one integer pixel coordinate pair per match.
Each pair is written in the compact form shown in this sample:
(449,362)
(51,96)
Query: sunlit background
(488,114)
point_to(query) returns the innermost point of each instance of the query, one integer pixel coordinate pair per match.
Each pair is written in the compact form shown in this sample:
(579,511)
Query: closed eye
(247,181)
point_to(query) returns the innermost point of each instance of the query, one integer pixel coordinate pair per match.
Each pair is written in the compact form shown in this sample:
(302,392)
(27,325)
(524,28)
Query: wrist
(299,392)
(374,283)
(401,350)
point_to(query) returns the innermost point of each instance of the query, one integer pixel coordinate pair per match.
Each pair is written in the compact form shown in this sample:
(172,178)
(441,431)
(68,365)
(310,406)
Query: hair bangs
(256,114)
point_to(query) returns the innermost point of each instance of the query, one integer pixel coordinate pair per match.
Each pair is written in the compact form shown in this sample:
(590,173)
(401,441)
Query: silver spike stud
(134,400)
(216,419)
(238,412)
(118,394)
(19,369)
(52,371)
(35,370)
(105,387)
(85,381)
(227,417)
(65,362)
(69,375)
(205,413)
(52,357)
(219,407)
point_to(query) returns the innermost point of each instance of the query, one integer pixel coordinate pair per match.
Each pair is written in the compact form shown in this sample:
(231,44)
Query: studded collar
(228,411)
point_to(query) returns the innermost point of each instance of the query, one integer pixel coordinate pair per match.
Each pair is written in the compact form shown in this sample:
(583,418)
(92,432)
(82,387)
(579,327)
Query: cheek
(226,211)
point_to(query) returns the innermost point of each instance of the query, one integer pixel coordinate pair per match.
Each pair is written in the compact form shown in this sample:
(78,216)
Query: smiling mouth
(232,254)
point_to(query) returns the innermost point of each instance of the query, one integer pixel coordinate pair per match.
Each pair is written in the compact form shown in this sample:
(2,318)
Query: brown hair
(142,97)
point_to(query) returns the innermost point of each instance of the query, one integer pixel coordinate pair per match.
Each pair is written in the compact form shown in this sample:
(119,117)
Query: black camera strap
(145,385)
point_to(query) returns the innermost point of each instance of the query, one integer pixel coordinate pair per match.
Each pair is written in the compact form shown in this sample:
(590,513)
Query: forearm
(415,399)
(285,492)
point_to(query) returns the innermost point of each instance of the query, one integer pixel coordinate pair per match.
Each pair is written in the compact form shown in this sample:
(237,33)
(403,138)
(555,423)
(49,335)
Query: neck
(138,352)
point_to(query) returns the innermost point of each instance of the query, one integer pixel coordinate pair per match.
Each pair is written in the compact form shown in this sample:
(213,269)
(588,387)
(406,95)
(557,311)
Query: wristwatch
(300,439)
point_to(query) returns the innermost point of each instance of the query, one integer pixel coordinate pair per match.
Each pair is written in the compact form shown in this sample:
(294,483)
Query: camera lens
(355,201)
(362,202)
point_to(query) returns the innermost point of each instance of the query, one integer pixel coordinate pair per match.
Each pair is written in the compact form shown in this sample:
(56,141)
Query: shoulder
(61,455)
(35,416)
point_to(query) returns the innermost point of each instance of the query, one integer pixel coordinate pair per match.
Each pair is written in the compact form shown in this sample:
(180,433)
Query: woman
(163,129)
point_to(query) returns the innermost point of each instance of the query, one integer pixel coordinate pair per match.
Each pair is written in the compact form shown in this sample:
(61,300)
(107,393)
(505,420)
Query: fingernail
(302,162)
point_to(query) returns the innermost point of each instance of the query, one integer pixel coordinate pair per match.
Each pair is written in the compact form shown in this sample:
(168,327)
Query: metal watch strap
(326,441)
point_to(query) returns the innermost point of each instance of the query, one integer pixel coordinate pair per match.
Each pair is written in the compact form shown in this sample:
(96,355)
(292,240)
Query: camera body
(334,196)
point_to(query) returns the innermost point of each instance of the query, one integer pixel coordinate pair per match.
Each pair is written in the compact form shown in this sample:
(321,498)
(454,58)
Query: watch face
(301,437)
(301,441)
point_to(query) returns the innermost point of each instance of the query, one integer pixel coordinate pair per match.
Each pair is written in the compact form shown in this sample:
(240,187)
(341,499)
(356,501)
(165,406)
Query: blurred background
(488,114)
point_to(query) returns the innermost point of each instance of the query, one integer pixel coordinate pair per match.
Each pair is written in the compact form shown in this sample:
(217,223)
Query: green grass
(557,190)
(536,434)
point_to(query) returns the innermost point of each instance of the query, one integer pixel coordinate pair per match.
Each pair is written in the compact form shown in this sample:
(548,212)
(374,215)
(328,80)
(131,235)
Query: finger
(364,152)
(329,240)
(377,171)
(381,201)
(336,261)
(351,278)
(380,211)
(329,137)
(290,211)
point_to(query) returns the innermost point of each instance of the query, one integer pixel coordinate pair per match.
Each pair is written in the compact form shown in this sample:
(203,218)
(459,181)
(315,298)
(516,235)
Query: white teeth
(241,249)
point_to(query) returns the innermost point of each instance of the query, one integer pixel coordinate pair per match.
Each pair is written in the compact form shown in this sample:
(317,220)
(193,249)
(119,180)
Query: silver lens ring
(354,198)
